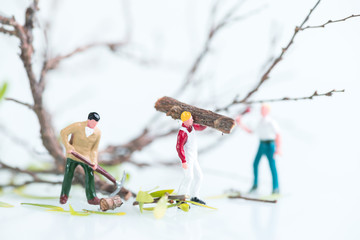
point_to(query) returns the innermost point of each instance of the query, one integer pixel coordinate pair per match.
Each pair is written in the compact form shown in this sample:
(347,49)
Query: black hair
(94,116)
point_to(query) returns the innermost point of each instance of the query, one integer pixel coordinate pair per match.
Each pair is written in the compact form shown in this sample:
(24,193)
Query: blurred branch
(18,170)
(330,22)
(18,141)
(52,63)
(275,62)
(21,103)
(266,75)
(315,94)
(214,29)
(10,32)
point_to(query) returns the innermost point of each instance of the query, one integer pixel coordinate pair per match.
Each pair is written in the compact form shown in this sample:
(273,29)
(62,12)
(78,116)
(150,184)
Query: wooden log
(174,108)
(110,203)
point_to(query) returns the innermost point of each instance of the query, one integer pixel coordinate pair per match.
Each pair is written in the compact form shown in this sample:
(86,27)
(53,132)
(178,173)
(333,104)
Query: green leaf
(202,205)
(20,191)
(144,197)
(169,206)
(185,207)
(161,193)
(40,205)
(75,213)
(161,207)
(105,213)
(141,206)
(5,205)
(56,209)
(3,90)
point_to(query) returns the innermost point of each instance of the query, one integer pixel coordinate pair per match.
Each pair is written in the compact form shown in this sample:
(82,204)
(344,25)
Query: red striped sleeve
(181,140)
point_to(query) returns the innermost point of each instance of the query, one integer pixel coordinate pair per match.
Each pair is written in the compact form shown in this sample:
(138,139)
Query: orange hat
(185,116)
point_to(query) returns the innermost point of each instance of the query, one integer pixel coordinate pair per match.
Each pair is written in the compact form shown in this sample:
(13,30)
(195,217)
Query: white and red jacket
(182,139)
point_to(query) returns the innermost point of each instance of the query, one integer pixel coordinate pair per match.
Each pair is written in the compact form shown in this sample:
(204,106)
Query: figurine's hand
(238,120)
(278,152)
(184,165)
(69,150)
(95,166)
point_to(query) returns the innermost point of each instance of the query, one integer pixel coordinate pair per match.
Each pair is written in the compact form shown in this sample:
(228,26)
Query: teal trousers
(266,148)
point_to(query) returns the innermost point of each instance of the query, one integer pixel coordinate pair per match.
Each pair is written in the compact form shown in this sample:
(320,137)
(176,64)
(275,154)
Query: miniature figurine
(85,138)
(187,150)
(270,144)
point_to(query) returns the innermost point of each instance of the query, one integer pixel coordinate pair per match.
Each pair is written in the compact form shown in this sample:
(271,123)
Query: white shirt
(89,131)
(267,129)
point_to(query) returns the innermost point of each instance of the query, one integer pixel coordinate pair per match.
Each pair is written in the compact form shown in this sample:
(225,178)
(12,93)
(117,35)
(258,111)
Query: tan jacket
(86,146)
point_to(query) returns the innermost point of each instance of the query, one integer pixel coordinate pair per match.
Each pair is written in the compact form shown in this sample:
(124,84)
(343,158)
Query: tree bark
(174,108)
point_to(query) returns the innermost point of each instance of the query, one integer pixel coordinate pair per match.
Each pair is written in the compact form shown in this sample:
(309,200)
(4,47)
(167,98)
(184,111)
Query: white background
(319,168)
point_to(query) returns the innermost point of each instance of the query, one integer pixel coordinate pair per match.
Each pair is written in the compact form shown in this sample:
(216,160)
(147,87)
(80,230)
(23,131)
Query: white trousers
(193,176)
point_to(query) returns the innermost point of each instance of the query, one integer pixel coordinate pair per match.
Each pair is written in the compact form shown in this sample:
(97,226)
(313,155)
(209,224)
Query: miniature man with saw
(187,150)
(85,138)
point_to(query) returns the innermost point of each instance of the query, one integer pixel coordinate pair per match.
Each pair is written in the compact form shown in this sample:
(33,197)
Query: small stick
(253,199)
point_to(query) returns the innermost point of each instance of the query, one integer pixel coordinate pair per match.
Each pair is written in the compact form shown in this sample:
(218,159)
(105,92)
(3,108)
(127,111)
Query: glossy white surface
(319,169)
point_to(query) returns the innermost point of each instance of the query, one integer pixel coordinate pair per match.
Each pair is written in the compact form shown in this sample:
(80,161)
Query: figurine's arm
(198,127)
(94,152)
(278,144)
(181,140)
(242,125)
(64,134)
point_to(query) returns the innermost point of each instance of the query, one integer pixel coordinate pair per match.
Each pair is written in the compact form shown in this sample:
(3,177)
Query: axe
(103,172)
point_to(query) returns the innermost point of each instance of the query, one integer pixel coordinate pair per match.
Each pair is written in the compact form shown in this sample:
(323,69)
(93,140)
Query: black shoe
(195,199)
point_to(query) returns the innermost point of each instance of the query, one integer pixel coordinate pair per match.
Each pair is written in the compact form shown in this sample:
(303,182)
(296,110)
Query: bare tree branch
(265,76)
(315,94)
(10,32)
(20,102)
(52,63)
(214,29)
(275,62)
(330,21)
(18,170)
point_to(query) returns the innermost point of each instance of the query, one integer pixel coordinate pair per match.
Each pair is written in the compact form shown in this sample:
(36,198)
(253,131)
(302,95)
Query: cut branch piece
(174,108)
(110,203)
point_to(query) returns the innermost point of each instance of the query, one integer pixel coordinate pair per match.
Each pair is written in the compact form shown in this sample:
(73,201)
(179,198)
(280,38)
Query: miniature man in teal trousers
(270,142)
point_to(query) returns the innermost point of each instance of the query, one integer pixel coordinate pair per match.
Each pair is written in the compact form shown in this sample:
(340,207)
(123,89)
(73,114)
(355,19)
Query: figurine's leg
(257,159)
(89,182)
(198,177)
(187,180)
(270,156)
(68,176)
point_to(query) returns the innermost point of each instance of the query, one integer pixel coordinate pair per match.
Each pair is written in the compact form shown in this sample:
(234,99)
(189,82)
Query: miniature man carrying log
(186,147)
(194,119)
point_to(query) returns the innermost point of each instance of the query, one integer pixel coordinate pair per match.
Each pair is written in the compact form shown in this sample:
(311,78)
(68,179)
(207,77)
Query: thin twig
(330,22)
(214,29)
(315,94)
(10,32)
(29,182)
(253,199)
(20,102)
(275,62)
(52,63)
(18,170)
